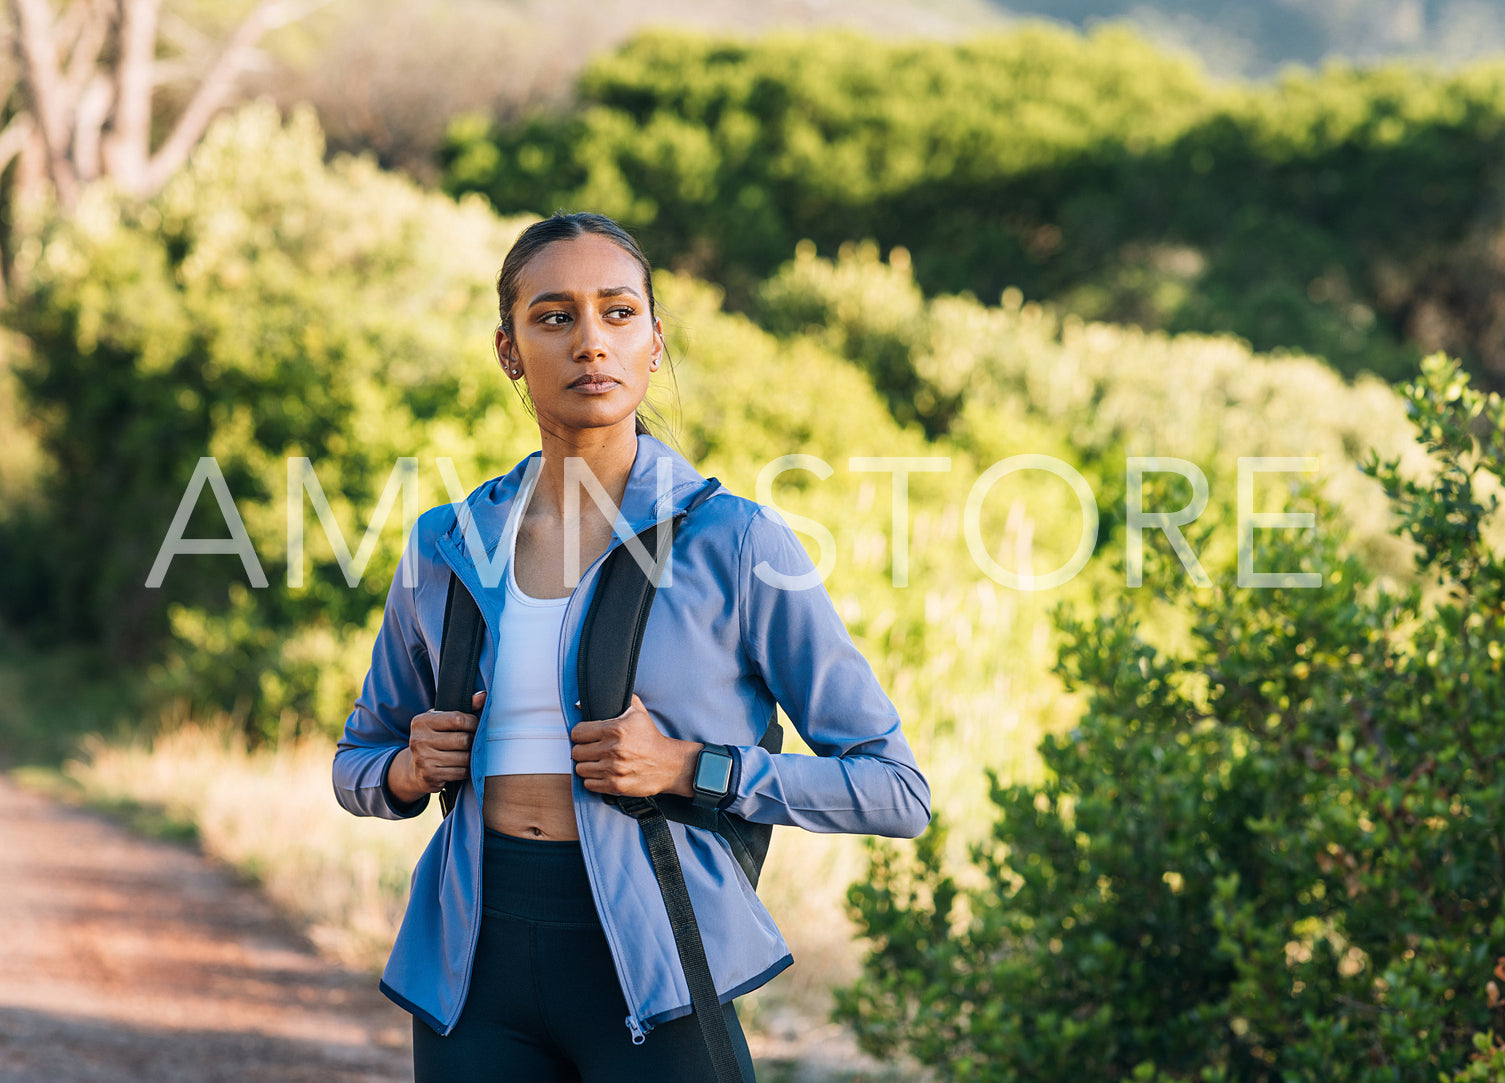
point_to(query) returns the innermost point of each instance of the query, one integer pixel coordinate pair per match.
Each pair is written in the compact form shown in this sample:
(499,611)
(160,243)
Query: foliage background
(1269,852)
(1345,213)
(1037,242)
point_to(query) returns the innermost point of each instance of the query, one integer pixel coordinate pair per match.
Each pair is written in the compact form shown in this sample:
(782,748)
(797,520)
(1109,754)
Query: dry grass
(272,814)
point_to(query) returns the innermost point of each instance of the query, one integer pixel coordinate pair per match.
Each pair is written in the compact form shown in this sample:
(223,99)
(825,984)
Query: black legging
(544,1004)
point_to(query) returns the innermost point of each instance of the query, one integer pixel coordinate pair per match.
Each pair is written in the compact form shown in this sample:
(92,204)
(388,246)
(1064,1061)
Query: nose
(590,338)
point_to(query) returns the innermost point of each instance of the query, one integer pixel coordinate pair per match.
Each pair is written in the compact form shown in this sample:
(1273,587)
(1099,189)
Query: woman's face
(582,335)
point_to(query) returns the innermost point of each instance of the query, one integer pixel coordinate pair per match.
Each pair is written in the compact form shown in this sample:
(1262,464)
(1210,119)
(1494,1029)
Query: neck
(607,454)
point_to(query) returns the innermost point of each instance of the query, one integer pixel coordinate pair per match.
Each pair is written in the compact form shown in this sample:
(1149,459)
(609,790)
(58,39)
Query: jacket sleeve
(399,685)
(863,777)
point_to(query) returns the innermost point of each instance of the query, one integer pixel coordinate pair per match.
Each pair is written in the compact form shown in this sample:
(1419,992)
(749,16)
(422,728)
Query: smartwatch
(713,776)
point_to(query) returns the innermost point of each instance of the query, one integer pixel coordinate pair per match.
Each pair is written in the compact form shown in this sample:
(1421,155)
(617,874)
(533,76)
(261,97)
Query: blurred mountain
(1256,38)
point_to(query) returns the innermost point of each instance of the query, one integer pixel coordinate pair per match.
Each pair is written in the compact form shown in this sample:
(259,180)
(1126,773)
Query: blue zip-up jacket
(728,636)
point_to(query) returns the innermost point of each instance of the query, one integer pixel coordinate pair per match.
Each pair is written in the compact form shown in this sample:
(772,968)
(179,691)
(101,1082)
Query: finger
(592,753)
(620,787)
(634,707)
(432,758)
(477,701)
(595,772)
(452,720)
(636,714)
(448,740)
(437,780)
(587,732)
(436,776)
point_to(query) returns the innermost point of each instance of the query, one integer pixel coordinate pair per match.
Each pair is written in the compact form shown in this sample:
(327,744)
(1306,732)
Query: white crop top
(527,733)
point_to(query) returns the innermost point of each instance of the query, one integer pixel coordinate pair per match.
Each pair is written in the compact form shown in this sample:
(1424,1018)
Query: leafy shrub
(265,306)
(726,152)
(270,305)
(1348,214)
(1272,852)
(1000,379)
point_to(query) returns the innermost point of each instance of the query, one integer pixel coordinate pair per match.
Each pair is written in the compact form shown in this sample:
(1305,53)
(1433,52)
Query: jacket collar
(660,483)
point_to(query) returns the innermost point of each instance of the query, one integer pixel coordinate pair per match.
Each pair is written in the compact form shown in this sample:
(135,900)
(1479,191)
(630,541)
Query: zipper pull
(637,1031)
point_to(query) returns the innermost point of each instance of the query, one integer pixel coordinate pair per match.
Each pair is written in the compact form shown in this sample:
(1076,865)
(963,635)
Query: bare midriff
(530,806)
(541,806)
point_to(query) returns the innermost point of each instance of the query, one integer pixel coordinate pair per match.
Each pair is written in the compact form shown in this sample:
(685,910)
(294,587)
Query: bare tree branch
(67,29)
(13,138)
(180,34)
(86,72)
(216,87)
(48,93)
(88,126)
(83,57)
(129,147)
(178,69)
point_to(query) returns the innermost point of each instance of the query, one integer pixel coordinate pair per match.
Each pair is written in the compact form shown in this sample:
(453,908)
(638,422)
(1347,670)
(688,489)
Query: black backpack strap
(671,884)
(618,609)
(459,661)
(624,595)
(748,841)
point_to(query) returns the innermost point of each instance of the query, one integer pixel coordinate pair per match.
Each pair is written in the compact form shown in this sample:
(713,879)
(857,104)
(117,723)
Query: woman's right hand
(438,752)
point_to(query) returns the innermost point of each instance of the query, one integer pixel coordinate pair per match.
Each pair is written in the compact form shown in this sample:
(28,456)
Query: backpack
(606,668)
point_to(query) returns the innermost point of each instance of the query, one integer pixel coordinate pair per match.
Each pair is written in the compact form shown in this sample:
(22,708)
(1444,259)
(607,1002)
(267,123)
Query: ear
(658,345)
(506,355)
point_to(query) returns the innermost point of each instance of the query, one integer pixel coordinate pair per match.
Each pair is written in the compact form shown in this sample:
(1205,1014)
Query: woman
(535,926)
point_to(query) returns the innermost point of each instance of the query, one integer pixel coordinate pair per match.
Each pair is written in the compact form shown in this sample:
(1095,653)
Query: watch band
(713,776)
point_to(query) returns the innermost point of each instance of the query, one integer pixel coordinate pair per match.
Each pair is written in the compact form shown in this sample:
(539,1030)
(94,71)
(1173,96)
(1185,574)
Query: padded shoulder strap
(459,661)
(619,608)
(612,636)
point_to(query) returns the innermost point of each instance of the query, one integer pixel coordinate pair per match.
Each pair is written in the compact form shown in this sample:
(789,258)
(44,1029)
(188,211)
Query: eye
(553,319)
(622,312)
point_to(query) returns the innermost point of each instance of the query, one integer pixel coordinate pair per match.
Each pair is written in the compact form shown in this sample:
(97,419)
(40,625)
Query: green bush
(265,306)
(271,305)
(1347,214)
(996,380)
(1272,852)
(727,152)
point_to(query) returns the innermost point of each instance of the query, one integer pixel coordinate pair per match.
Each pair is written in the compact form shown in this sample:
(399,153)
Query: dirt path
(127,959)
(122,958)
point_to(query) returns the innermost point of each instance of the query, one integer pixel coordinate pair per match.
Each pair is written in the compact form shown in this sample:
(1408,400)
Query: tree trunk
(129,147)
(48,93)
(87,80)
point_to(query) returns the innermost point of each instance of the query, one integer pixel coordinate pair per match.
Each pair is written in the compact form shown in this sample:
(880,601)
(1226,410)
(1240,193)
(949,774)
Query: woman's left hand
(629,757)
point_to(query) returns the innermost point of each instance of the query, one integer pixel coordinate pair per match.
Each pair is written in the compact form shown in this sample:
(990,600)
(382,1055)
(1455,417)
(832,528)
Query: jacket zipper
(637,1031)
(635,1027)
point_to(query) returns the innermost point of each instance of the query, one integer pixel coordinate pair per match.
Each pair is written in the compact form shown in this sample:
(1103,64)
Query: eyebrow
(609,291)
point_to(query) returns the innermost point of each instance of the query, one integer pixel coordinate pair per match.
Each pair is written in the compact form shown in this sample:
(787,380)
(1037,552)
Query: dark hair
(563,227)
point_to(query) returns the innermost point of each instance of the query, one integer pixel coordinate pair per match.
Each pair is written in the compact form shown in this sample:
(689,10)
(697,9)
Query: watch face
(713,771)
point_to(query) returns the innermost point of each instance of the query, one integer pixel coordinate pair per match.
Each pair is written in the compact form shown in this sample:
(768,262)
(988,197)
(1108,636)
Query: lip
(595,382)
